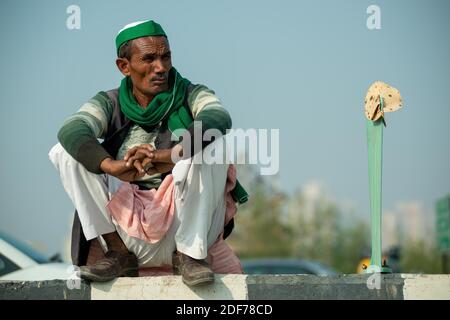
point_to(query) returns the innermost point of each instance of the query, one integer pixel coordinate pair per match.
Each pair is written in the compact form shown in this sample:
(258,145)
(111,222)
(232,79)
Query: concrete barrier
(239,287)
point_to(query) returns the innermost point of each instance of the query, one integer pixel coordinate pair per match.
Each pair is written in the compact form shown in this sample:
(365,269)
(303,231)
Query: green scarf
(166,105)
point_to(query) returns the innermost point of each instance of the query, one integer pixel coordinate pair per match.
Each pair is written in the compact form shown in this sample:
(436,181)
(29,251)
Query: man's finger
(131,161)
(147,146)
(145,153)
(146,162)
(138,165)
(137,156)
(141,154)
(130,152)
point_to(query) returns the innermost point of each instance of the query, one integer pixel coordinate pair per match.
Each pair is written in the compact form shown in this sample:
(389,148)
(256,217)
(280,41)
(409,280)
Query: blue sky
(299,66)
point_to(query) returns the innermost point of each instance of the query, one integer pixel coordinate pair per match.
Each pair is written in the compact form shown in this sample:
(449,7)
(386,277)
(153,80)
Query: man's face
(149,65)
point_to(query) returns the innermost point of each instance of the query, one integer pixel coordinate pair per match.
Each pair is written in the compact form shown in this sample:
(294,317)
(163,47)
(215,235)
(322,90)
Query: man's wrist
(105,165)
(176,153)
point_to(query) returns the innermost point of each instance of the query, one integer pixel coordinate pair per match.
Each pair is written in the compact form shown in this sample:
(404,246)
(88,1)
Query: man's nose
(159,66)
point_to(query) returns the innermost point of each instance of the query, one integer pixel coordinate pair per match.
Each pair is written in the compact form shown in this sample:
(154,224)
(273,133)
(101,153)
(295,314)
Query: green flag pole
(375,161)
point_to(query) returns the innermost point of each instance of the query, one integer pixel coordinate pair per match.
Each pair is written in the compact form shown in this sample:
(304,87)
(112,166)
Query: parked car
(286,266)
(18,261)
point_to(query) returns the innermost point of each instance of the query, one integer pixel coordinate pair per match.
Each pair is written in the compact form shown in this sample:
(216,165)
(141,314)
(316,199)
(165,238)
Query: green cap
(137,30)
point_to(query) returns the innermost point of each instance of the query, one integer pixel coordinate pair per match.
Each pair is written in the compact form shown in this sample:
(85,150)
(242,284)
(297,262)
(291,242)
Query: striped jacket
(101,118)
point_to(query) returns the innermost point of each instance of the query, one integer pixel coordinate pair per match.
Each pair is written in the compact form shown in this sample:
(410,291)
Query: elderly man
(136,122)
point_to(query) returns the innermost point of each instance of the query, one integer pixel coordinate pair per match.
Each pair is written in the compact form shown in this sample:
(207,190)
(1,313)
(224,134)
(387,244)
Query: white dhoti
(199,206)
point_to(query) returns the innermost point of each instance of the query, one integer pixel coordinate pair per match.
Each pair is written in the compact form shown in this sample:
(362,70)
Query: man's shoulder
(115,90)
(194,90)
(106,97)
(112,94)
(108,93)
(103,101)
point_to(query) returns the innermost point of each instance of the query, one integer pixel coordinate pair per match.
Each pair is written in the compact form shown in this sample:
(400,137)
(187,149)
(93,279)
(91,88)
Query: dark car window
(286,266)
(257,270)
(7,266)
(276,270)
(290,270)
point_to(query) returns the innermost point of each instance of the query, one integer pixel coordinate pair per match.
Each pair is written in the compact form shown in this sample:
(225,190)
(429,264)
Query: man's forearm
(168,155)
(80,131)
(78,140)
(105,165)
(209,119)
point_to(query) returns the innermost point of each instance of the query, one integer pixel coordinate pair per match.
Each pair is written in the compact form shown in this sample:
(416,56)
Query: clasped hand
(139,161)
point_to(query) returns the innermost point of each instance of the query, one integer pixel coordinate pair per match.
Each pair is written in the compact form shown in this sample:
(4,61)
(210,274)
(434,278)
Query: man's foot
(114,264)
(193,272)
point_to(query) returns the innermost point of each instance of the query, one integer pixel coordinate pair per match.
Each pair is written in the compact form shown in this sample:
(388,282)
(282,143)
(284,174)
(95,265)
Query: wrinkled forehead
(156,45)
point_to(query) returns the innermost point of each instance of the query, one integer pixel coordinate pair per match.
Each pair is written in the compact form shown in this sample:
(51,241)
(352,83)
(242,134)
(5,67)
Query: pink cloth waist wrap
(148,215)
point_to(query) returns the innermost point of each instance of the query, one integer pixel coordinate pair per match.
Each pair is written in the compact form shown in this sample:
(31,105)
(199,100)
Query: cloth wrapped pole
(375,161)
(380,98)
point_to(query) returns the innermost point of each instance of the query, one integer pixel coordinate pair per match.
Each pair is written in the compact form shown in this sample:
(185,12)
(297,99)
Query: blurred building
(408,221)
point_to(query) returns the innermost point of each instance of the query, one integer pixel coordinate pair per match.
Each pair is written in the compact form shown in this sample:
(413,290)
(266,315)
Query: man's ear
(124,66)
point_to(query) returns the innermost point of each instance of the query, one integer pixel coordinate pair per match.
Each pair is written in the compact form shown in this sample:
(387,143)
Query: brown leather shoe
(114,264)
(193,272)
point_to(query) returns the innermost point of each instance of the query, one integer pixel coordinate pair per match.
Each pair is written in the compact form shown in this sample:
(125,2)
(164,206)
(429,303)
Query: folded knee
(61,158)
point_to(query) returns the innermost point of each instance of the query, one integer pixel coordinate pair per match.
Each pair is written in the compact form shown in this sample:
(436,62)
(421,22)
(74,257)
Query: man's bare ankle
(114,242)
